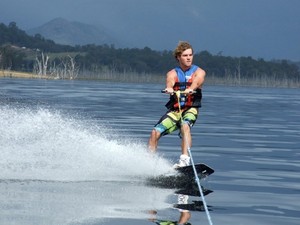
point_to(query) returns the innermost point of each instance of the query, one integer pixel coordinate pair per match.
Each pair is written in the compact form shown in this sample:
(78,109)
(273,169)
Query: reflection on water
(70,154)
(40,202)
(48,202)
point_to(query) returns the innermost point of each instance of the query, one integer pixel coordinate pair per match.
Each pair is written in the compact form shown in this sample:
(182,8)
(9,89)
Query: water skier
(183,106)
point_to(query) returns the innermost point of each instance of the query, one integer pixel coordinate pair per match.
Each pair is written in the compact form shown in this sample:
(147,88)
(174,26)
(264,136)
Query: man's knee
(155,134)
(185,128)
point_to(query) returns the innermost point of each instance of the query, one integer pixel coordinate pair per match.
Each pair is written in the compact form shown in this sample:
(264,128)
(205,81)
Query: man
(184,84)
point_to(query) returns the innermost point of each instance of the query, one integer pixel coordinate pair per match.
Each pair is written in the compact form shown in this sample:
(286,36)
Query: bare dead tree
(63,71)
(238,69)
(66,69)
(54,71)
(41,66)
(45,63)
(72,68)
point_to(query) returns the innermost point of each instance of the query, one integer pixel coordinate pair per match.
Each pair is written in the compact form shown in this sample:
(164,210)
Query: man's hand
(169,91)
(188,91)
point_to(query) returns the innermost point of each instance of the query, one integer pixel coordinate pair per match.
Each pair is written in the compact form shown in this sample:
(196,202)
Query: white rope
(193,165)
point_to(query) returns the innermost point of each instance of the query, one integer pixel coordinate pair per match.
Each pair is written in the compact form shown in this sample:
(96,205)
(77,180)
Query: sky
(268,29)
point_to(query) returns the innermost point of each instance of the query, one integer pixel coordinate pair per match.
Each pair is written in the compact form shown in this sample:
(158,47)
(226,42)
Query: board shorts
(171,121)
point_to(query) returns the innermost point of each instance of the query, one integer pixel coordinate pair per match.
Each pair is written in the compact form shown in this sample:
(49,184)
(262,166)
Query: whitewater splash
(42,144)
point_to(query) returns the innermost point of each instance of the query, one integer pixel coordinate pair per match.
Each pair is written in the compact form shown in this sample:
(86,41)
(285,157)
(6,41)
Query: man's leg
(153,140)
(166,125)
(186,139)
(189,117)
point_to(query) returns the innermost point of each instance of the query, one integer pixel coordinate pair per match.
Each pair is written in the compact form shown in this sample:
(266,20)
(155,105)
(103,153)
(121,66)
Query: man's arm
(198,81)
(170,81)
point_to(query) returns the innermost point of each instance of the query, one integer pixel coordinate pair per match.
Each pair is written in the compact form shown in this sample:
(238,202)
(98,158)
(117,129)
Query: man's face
(186,58)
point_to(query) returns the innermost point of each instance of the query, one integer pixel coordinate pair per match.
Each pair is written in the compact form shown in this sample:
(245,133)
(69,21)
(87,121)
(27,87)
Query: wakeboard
(183,180)
(202,170)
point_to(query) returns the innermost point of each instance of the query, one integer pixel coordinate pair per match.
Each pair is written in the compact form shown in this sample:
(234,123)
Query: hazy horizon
(259,28)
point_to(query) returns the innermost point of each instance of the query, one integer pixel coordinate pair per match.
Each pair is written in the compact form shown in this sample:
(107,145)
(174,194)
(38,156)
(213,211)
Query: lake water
(74,152)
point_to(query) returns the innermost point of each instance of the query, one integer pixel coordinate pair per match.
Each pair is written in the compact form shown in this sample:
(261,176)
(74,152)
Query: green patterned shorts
(171,121)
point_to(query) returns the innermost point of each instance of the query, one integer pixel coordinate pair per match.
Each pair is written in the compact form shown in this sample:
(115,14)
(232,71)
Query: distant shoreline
(146,78)
(15,74)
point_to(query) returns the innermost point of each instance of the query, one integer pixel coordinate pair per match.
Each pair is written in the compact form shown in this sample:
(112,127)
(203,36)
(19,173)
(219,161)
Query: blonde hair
(181,47)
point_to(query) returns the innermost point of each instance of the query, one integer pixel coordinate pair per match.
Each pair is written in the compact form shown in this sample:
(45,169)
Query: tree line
(22,52)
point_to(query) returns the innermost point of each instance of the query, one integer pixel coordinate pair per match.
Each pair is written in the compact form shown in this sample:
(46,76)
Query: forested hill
(19,51)
(11,34)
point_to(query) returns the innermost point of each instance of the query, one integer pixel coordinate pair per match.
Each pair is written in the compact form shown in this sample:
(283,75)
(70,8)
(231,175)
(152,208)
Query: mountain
(65,32)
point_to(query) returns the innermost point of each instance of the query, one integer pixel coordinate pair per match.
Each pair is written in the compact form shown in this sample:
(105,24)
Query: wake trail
(42,144)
